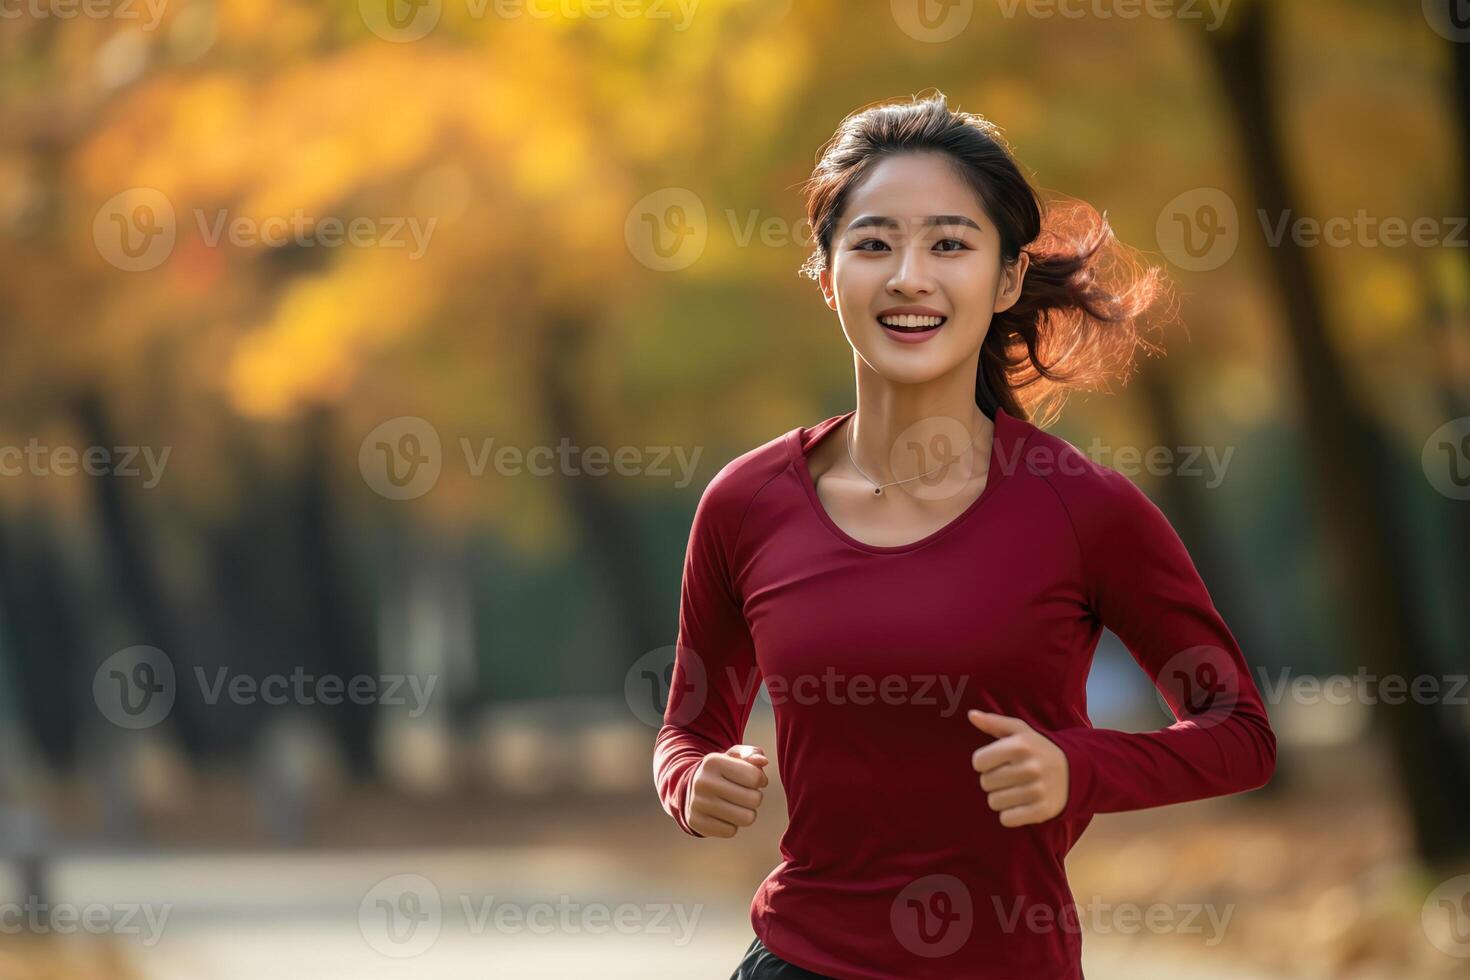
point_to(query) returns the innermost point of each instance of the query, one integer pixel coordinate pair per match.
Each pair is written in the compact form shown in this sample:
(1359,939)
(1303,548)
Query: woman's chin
(911,367)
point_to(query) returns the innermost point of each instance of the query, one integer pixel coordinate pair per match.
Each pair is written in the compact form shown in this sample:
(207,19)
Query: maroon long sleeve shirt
(893,864)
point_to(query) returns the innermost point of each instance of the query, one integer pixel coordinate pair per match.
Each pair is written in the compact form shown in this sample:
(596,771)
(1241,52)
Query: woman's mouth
(910,328)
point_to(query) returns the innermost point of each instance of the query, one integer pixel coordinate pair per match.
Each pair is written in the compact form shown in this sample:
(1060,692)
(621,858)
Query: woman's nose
(912,274)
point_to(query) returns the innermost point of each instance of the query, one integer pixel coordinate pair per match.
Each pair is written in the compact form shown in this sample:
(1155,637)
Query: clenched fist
(725,790)
(1023,771)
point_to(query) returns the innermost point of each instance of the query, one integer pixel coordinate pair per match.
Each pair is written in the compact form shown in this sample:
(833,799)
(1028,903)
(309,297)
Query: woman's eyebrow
(884,221)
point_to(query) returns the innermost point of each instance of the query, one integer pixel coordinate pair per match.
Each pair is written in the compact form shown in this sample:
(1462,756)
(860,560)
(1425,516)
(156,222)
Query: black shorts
(762,964)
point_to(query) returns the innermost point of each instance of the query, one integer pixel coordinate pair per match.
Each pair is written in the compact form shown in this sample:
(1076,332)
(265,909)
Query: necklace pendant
(877,491)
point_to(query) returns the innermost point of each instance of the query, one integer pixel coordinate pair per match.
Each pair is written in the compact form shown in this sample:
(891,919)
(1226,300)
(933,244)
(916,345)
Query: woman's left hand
(1023,772)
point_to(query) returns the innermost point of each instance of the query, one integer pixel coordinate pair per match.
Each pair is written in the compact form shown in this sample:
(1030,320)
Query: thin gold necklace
(878,487)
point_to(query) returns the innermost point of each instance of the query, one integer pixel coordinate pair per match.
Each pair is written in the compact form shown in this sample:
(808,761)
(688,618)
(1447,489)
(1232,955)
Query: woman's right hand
(725,791)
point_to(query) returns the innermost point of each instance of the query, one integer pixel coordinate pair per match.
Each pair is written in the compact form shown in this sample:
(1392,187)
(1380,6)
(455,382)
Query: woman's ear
(824,278)
(1012,277)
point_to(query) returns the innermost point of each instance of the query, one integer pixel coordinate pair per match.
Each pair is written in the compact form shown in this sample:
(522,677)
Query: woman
(921,584)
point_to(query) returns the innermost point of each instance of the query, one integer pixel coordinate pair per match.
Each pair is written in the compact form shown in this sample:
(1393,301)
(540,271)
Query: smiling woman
(993,570)
(1068,295)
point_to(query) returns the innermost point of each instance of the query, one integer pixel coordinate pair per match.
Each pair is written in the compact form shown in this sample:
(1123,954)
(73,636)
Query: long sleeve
(715,677)
(1143,586)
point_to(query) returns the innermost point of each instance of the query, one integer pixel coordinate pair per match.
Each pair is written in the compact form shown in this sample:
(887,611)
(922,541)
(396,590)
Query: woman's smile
(911,324)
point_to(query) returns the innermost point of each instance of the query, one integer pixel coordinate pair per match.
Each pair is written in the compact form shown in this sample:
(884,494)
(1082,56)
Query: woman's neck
(902,431)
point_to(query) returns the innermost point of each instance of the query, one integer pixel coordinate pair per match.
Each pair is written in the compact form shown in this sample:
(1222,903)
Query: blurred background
(364,363)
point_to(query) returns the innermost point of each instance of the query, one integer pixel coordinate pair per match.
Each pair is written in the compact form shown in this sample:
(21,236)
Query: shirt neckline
(1003,455)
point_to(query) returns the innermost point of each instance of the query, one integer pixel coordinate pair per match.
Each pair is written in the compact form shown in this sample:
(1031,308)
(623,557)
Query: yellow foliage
(309,349)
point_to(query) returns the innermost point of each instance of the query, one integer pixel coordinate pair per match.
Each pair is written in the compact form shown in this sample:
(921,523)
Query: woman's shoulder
(1089,489)
(732,488)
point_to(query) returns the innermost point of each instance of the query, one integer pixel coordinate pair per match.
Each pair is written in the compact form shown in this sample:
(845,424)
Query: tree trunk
(128,562)
(604,523)
(1353,466)
(339,638)
(41,620)
(1455,390)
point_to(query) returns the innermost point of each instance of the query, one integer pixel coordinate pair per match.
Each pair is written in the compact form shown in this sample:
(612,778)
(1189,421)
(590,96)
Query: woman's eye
(877,244)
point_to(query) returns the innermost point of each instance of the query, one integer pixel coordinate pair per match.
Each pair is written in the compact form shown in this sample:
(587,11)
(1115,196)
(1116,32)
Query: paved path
(525,914)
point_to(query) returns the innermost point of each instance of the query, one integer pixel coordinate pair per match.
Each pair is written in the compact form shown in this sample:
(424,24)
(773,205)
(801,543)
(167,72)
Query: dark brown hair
(1077,322)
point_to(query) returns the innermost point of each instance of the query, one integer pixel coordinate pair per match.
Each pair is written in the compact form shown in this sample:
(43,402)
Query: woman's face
(914,240)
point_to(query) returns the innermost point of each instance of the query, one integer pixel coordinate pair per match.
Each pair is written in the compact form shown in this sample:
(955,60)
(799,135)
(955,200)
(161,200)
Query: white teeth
(909,321)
